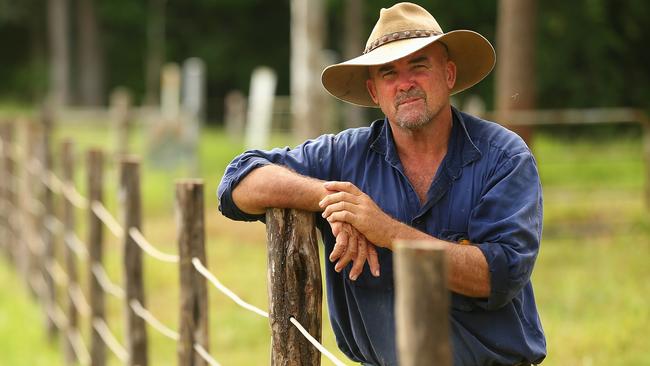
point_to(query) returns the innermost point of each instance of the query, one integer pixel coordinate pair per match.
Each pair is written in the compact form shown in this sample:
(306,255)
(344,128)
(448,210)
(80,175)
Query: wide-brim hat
(401,30)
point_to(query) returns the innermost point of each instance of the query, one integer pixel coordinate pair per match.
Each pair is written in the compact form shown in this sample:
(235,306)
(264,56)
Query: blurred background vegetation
(588,52)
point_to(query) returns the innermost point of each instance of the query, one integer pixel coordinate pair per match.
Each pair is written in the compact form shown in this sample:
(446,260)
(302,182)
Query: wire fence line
(67,190)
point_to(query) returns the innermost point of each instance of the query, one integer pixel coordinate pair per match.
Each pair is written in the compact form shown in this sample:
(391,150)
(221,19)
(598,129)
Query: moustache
(413,93)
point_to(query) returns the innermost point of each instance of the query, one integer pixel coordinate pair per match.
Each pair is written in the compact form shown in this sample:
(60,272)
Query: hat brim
(473,55)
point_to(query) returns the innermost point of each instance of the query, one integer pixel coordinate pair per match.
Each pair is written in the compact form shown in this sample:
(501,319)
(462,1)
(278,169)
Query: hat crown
(400,18)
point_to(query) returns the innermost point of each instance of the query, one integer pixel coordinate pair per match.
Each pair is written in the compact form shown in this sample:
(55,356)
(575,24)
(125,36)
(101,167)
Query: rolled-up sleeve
(507,226)
(314,158)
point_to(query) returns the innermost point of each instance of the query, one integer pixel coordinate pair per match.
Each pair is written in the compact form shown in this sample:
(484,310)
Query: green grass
(591,278)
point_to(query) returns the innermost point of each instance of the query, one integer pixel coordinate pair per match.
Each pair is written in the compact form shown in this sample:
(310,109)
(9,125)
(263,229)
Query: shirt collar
(461,150)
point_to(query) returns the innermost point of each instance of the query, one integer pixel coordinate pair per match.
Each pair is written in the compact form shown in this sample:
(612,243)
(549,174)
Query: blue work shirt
(486,190)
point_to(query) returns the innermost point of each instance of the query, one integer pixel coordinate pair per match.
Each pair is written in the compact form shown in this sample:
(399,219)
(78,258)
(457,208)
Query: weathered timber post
(193,289)
(294,285)
(69,255)
(121,116)
(136,333)
(49,238)
(421,305)
(95,162)
(6,190)
(33,246)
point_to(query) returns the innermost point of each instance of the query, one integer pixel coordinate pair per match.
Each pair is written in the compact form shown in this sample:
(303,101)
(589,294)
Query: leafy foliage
(590,52)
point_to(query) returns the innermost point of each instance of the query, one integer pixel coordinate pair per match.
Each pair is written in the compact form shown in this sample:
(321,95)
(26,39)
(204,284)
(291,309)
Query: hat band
(400,35)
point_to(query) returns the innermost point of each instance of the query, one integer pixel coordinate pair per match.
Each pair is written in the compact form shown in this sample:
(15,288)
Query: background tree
(515,70)
(90,55)
(58,28)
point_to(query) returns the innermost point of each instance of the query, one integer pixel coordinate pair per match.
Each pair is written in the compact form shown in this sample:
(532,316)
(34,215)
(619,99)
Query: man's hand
(352,246)
(350,205)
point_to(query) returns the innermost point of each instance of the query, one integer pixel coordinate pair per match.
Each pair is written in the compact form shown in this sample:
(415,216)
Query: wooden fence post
(421,304)
(95,163)
(67,161)
(121,120)
(136,333)
(193,288)
(49,238)
(6,190)
(294,285)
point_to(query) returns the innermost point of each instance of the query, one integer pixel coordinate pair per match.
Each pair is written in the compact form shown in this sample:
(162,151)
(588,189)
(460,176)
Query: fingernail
(354,278)
(376,273)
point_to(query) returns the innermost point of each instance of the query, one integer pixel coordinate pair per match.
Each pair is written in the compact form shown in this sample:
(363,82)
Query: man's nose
(405,81)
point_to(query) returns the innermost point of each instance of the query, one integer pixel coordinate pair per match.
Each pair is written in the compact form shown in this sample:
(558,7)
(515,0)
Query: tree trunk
(91,65)
(515,76)
(59,88)
(155,50)
(353,45)
(307,39)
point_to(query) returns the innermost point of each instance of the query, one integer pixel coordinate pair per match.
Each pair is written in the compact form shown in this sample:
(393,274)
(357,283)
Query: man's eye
(387,74)
(420,67)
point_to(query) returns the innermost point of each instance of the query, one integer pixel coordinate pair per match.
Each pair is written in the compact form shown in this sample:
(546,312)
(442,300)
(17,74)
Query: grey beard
(416,124)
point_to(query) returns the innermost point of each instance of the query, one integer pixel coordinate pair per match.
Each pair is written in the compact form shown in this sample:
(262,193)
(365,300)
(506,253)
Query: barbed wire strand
(207,274)
(146,315)
(205,355)
(142,242)
(111,223)
(109,339)
(73,242)
(105,282)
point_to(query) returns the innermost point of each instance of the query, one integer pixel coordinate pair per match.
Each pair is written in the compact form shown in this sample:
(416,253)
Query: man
(427,171)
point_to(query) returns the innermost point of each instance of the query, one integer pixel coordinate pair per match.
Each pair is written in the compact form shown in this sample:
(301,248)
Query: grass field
(591,278)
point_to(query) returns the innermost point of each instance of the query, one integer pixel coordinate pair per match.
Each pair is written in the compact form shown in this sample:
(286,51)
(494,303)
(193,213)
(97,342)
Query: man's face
(413,90)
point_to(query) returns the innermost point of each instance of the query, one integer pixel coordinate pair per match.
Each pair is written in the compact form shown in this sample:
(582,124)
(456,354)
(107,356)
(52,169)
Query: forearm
(276,186)
(467,269)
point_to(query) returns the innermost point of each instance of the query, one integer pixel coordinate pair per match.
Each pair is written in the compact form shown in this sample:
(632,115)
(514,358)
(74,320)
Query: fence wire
(146,247)
(226,291)
(70,193)
(106,284)
(146,315)
(109,339)
(105,216)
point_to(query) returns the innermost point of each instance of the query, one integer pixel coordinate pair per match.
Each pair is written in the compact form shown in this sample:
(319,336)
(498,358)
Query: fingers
(342,216)
(373,260)
(342,187)
(349,254)
(360,259)
(338,197)
(339,206)
(340,246)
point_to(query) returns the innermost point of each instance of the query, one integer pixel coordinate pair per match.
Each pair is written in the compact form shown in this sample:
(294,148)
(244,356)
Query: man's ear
(372,90)
(451,74)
